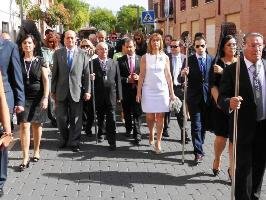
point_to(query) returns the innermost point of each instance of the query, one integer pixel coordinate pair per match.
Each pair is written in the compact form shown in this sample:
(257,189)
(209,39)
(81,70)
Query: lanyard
(28,69)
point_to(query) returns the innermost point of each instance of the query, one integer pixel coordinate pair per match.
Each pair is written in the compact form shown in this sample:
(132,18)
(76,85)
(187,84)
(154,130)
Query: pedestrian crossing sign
(148,17)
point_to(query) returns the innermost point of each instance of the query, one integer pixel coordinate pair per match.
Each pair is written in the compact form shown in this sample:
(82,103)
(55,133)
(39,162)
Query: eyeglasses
(137,38)
(86,46)
(198,46)
(174,46)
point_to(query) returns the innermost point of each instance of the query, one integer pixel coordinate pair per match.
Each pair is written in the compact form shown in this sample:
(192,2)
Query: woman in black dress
(36,84)
(221,123)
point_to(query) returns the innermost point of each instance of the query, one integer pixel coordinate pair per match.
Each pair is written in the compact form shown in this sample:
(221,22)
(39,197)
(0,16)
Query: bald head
(70,39)
(102,50)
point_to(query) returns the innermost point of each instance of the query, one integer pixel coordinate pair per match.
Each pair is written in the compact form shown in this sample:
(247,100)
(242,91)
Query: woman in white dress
(155,87)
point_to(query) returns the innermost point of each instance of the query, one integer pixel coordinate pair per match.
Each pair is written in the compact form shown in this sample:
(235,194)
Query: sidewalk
(128,173)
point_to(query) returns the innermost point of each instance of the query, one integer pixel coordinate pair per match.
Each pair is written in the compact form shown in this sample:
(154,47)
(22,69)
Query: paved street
(128,173)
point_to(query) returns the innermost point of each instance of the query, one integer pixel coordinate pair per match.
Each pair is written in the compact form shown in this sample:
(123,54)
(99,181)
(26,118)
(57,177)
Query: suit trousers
(69,120)
(3,166)
(88,115)
(250,165)
(198,120)
(107,112)
(132,114)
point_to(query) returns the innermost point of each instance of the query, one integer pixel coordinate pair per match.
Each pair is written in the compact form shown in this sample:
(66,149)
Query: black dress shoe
(62,145)
(198,158)
(75,148)
(112,147)
(1,192)
(128,134)
(100,138)
(89,133)
(166,134)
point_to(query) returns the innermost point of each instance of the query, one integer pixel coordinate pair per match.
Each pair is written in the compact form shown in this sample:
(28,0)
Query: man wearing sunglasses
(198,94)
(176,62)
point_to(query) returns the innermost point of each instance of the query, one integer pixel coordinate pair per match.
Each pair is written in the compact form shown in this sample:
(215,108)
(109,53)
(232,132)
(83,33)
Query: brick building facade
(207,15)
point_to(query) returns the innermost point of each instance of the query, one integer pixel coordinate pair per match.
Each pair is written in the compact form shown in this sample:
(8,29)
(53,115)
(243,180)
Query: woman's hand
(217,69)
(138,98)
(44,103)
(172,97)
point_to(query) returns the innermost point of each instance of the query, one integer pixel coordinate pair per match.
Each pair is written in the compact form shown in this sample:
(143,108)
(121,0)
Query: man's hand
(18,109)
(235,102)
(185,72)
(92,76)
(87,96)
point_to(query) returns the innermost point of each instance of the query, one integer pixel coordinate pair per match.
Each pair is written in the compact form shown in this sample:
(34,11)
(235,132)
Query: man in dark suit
(198,94)
(129,70)
(251,123)
(10,67)
(176,59)
(70,83)
(108,91)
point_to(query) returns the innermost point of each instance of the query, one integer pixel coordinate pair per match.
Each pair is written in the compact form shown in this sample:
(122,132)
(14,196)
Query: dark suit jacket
(76,80)
(107,92)
(198,87)
(125,72)
(10,66)
(247,113)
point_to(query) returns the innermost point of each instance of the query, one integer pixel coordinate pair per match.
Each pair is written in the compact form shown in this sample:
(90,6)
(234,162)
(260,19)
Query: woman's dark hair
(23,38)
(224,41)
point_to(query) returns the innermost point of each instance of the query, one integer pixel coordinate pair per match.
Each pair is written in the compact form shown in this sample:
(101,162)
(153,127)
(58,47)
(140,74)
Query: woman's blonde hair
(149,48)
(87,42)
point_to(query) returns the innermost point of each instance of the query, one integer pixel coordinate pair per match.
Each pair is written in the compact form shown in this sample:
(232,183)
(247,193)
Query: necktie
(131,63)
(202,66)
(255,69)
(69,58)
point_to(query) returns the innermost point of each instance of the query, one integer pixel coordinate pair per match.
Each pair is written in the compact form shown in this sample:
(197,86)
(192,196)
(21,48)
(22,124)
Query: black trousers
(107,122)
(250,165)
(88,115)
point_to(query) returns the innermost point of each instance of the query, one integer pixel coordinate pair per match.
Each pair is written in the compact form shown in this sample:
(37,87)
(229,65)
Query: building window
(162,9)
(207,1)
(171,7)
(5,27)
(194,3)
(182,5)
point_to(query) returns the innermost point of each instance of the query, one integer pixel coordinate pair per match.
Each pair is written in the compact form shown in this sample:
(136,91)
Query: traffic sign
(148,17)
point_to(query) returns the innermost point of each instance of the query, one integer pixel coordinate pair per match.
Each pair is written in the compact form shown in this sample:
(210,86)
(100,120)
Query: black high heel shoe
(22,167)
(214,170)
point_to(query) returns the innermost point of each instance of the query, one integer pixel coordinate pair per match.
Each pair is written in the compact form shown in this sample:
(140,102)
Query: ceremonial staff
(238,51)
(92,78)
(186,43)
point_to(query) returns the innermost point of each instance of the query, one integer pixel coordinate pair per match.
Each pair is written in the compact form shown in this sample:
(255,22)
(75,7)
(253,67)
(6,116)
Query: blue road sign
(148,17)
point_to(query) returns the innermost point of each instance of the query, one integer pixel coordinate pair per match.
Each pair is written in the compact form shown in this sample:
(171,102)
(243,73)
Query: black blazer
(11,70)
(125,72)
(247,113)
(198,89)
(107,92)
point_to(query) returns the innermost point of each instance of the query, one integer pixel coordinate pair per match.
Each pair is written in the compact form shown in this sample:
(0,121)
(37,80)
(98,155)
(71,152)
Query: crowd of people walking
(75,83)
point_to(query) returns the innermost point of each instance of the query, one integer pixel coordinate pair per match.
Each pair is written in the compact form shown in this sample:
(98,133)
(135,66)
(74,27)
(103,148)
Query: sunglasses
(114,37)
(174,46)
(86,46)
(137,38)
(198,46)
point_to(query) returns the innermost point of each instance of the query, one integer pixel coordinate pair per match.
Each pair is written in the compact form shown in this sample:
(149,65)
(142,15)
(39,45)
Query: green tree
(102,19)
(79,13)
(127,19)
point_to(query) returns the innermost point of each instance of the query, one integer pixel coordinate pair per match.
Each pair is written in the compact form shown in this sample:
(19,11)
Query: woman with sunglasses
(87,45)
(141,45)
(220,123)
(36,83)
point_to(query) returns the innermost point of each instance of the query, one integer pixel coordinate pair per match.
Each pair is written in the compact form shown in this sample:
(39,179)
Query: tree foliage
(79,13)
(102,19)
(54,15)
(127,19)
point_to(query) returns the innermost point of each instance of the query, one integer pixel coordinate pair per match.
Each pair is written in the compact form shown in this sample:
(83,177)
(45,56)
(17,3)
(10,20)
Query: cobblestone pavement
(130,172)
